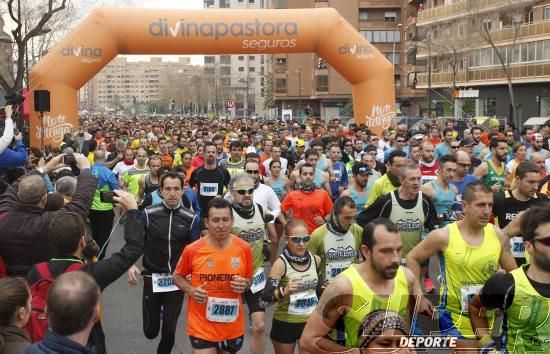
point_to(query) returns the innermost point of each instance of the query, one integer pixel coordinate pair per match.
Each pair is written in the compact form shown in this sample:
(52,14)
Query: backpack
(38,323)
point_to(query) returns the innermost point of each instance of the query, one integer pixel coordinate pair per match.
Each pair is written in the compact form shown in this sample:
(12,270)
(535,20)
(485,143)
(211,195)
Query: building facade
(452,43)
(307,83)
(135,85)
(237,77)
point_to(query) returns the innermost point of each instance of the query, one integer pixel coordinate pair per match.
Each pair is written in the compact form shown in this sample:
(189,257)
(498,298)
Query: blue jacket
(55,344)
(13,158)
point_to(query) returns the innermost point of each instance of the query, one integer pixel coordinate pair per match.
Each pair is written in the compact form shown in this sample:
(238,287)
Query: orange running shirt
(216,267)
(307,206)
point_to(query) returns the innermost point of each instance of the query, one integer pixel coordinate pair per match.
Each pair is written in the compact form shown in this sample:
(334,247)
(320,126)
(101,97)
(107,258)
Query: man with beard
(377,283)
(235,162)
(338,241)
(428,165)
(130,179)
(308,203)
(122,166)
(478,145)
(357,190)
(249,225)
(523,295)
(220,154)
(470,252)
(492,173)
(390,180)
(210,179)
(521,198)
(537,142)
(445,147)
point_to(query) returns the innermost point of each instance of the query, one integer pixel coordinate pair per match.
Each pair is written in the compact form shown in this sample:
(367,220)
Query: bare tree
(512,14)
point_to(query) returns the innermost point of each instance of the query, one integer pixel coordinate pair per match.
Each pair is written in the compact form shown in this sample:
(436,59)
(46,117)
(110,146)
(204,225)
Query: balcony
(482,75)
(526,31)
(380,4)
(459,8)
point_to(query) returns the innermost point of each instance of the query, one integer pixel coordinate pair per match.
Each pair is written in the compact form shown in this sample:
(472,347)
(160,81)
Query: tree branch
(39,28)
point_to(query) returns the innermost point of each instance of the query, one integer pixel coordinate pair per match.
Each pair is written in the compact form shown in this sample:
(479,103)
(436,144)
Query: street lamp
(298,73)
(245,98)
(393,50)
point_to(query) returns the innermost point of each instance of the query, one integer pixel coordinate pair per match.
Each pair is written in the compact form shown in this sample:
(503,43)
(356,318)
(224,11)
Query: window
(397,80)
(241,57)
(280,85)
(209,59)
(225,59)
(547,12)
(209,70)
(251,1)
(322,83)
(224,4)
(546,51)
(225,70)
(241,68)
(462,29)
(487,25)
(390,16)
(251,58)
(280,4)
(225,81)
(363,15)
(382,36)
(395,55)
(262,59)
(251,69)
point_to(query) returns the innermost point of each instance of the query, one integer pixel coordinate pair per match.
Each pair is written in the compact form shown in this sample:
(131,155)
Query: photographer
(9,157)
(24,238)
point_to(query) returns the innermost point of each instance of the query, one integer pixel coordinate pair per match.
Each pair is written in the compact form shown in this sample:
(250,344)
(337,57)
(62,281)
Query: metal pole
(429,78)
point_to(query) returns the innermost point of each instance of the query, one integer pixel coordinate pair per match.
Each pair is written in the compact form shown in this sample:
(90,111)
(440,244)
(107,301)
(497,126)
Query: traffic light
(321,64)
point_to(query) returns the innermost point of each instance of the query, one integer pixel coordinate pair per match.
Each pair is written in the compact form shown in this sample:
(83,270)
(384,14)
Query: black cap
(467,142)
(361,169)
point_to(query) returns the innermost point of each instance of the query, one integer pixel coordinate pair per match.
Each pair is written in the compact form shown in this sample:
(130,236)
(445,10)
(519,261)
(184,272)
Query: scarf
(334,226)
(245,213)
(307,189)
(296,259)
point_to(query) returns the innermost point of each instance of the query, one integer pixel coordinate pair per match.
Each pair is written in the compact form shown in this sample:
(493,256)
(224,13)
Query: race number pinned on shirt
(162,283)
(518,248)
(258,281)
(208,189)
(467,293)
(302,303)
(222,310)
(335,268)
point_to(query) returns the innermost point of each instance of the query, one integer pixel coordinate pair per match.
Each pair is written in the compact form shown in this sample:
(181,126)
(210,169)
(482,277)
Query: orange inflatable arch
(105,33)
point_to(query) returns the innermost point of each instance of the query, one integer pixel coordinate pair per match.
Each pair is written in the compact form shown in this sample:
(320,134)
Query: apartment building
(238,77)
(126,84)
(306,81)
(446,45)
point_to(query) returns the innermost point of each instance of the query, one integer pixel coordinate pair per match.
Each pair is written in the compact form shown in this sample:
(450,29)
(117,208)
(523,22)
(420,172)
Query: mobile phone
(68,159)
(106,196)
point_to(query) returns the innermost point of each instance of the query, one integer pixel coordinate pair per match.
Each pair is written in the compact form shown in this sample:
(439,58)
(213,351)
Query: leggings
(171,302)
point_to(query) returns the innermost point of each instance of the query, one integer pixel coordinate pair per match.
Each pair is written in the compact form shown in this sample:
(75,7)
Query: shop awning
(536,121)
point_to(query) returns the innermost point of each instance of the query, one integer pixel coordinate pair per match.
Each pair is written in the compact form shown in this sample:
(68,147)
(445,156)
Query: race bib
(518,248)
(208,189)
(338,175)
(467,293)
(335,268)
(162,283)
(302,303)
(258,281)
(222,310)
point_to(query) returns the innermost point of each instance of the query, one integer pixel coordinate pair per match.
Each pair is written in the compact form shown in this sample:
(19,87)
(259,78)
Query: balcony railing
(457,8)
(501,35)
(485,74)
(380,4)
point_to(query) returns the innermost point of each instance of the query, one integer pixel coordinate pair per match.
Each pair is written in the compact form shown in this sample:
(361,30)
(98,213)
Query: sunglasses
(374,139)
(454,147)
(252,172)
(244,191)
(298,239)
(400,141)
(349,145)
(545,240)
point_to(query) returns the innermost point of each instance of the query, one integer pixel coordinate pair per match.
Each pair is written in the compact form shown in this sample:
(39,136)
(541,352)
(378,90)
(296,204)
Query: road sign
(230,103)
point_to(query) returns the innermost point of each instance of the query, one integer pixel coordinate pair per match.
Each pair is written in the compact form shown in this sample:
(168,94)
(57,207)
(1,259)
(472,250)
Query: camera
(69,159)
(106,196)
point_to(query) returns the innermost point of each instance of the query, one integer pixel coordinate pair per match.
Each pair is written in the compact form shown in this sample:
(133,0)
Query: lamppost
(245,98)
(298,73)
(393,50)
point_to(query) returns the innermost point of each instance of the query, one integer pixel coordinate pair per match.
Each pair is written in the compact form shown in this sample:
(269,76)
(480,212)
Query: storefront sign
(469,93)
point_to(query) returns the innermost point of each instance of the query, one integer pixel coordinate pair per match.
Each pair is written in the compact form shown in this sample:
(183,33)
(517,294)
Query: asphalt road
(122,317)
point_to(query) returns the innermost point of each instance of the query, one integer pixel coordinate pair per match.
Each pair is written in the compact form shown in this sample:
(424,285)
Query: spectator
(24,238)
(72,309)
(13,158)
(15,310)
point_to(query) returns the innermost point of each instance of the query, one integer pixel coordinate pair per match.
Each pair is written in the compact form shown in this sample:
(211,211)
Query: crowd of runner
(331,224)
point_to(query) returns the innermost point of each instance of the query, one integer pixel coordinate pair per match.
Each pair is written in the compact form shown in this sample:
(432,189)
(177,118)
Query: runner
(235,162)
(461,178)
(470,251)
(169,228)
(321,178)
(357,189)
(337,242)
(294,283)
(376,283)
(492,173)
(249,225)
(390,180)
(523,295)
(220,268)
(441,190)
(428,165)
(341,176)
(130,179)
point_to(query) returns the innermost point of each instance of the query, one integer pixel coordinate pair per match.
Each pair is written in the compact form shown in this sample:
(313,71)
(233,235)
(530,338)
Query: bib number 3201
(162,283)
